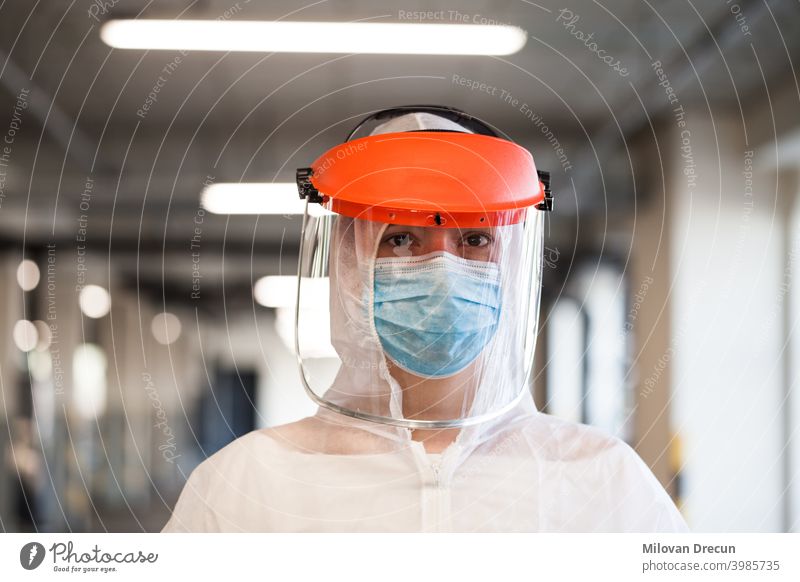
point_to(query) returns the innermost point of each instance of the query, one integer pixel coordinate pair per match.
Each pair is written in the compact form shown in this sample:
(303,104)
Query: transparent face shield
(420,327)
(419,282)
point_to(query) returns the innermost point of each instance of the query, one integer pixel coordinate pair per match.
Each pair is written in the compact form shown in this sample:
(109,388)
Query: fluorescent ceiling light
(314,327)
(314,37)
(281,291)
(276,291)
(256,198)
(314,330)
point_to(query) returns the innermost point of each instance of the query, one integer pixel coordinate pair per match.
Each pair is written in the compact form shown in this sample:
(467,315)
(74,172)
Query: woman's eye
(400,240)
(477,239)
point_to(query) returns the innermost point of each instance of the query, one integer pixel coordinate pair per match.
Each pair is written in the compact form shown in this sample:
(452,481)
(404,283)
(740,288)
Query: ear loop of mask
(395,390)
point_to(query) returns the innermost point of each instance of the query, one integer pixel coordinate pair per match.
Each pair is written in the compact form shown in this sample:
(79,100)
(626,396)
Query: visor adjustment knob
(305,187)
(547,203)
(436,219)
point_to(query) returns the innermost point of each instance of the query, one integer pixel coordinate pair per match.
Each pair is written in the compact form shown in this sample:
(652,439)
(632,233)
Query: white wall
(727,265)
(792,356)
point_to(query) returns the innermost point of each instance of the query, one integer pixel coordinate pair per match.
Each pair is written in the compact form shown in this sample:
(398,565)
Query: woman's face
(477,244)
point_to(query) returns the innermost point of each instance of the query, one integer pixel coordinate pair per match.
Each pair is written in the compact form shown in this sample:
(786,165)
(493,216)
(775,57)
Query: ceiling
(257,117)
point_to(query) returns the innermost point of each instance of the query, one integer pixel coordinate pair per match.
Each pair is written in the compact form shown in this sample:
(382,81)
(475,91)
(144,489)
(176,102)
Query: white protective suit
(518,471)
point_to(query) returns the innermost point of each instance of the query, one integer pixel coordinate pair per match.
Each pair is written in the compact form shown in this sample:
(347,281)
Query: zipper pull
(435,468)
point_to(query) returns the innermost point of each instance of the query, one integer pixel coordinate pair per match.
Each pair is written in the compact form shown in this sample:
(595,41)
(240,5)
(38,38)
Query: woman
(432,248)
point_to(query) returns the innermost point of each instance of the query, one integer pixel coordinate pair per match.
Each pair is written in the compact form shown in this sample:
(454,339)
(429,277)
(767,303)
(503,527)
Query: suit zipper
(437,494)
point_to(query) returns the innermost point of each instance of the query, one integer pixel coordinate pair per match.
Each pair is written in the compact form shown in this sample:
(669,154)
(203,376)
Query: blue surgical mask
(435,313)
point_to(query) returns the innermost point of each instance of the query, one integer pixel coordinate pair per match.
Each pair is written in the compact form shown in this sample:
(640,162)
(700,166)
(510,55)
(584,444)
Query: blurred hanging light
(28,275)
(43,334)
(256,198)
(25,336)
(315,37)
(95,301)
(89,380)
(166,328)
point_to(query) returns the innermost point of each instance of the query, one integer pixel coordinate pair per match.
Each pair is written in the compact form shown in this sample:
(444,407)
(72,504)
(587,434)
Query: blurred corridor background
(146,303)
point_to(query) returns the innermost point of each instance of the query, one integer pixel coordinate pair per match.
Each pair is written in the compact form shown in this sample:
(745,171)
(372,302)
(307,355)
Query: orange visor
(427,178)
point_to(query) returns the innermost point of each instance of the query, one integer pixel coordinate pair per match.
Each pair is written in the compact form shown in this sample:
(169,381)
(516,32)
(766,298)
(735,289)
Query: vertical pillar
(649,327)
